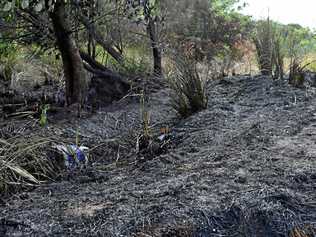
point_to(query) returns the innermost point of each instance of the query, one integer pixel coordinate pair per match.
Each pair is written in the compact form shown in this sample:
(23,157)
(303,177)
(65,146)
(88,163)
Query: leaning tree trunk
(97,35)
(75,75)
(151,28)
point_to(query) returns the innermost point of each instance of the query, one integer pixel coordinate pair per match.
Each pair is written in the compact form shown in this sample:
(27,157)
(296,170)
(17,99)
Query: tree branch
(107,46)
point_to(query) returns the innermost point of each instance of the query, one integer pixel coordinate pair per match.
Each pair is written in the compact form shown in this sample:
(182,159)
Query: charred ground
(243,167)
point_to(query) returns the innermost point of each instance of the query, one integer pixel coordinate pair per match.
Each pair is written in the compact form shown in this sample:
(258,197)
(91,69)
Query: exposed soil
(246,166)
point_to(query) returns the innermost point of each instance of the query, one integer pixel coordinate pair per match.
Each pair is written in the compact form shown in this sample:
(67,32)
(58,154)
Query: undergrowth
(8,57)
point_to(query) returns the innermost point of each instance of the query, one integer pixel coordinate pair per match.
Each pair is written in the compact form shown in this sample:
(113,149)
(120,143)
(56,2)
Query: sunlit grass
(137,60)
(310,59)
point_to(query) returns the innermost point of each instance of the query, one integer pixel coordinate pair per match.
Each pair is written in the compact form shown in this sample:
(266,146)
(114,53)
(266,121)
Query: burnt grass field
(245,166)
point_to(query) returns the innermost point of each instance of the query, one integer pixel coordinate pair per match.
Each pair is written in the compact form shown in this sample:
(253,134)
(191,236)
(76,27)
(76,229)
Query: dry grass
(306,231)
(189,89)
(26,161)
(310,59)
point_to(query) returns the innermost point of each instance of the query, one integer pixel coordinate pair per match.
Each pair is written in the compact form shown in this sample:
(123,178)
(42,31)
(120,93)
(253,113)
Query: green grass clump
(189,88)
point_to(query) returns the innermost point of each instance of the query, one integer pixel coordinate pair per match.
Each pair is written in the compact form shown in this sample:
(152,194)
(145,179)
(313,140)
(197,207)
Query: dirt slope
(246,166)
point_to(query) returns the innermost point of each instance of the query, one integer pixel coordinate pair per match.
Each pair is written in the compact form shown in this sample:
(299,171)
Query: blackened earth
(246,166)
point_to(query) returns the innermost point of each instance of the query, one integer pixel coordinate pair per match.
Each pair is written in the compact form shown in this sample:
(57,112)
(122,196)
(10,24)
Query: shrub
(189,88)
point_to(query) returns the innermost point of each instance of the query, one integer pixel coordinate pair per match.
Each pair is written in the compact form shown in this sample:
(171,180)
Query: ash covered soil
(246,166)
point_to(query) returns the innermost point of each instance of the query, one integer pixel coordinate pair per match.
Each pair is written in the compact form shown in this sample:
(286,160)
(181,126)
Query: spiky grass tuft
(189,89)
(278,56)
(263,40)
(296,76)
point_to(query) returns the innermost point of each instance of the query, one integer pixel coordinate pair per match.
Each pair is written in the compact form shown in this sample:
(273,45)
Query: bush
(189,88)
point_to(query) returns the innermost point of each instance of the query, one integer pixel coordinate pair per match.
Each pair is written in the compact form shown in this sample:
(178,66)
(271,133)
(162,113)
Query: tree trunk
(76,77)
(151,29)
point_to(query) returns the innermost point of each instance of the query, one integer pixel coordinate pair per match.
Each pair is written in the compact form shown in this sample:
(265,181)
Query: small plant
(297,72)
(144,139)
(43,116)
(189,89)
(77,137)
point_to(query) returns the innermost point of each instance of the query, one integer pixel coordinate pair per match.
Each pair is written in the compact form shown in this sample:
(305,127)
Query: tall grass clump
(263,42)
(297,66)
(189,89)
(296,75)
(26,162)
(270,42)
(278,55)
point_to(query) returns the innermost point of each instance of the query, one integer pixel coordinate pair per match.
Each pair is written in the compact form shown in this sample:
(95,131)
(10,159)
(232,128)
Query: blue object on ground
(74,155)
